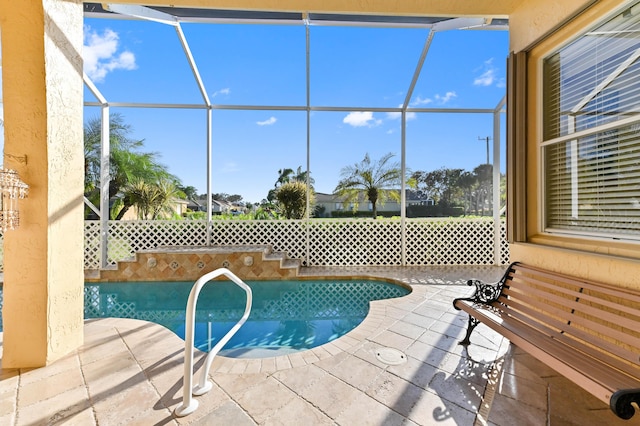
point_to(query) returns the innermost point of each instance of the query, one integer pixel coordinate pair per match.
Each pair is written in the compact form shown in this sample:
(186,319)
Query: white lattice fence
(450,242)
(133,236)
(91,244)
(128,237)
(504,243)
(331,242)
(355,242)
(283,235)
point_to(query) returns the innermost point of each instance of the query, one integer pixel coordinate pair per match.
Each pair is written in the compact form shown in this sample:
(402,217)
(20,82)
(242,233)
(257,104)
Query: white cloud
(230,167)
(421,101)
(101,56)
(446,98)
(268,122)
(224,91)
(488,76)
(485,79)
(361,119)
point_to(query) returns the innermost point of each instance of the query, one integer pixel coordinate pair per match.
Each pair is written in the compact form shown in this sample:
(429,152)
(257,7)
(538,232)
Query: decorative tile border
(190,263)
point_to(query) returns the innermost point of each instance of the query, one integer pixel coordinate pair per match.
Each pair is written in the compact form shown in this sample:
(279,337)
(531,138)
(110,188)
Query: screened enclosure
(246,94)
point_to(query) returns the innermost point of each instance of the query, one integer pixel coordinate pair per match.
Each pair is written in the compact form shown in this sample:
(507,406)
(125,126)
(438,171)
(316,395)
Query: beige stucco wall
(532,19)
(608,261)
(43,259)
(619,271)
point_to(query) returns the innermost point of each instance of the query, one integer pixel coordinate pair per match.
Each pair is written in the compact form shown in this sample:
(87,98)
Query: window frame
(543,224)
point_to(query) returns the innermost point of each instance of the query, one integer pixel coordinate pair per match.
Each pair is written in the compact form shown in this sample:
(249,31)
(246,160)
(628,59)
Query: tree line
(470,190)
(138,180)
(378,181)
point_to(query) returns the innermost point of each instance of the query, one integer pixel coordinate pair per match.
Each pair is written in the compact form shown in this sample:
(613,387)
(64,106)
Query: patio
(130,372)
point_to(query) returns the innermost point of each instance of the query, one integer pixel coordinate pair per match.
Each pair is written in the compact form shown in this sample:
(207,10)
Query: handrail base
(201,390)
(182,410)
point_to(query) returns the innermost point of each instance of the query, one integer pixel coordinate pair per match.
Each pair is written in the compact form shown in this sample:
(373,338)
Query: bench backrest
(590,318)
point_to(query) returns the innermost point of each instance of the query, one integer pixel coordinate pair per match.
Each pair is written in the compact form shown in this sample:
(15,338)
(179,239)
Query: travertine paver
(300,378)
(266,400)
(35,391)
(364,410)
(396,393)
(229,413)
(331,395)
(130,372)
(70,404)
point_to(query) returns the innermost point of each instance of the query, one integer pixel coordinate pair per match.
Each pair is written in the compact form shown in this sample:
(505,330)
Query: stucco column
(43,259)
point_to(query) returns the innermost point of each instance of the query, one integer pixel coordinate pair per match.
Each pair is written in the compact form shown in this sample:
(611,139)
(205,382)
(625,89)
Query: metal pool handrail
(189,405)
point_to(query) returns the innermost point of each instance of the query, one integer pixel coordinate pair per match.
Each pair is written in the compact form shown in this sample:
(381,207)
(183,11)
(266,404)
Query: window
(591,131)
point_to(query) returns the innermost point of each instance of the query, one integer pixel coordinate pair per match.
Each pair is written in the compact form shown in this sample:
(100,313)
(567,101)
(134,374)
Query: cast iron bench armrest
(484,294)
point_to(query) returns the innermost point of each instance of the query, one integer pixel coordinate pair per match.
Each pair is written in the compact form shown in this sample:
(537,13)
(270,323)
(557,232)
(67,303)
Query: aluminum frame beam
(105,178)
(497,227)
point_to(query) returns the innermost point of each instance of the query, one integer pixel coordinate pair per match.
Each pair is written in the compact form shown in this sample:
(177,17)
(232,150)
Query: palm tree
(166,191)
(286,176)
(118,142)
(151,199)
(467,182)
(484,176)
(283,176)
(378,181)
(127,164)
(190,192)
(301,176)
(140,194)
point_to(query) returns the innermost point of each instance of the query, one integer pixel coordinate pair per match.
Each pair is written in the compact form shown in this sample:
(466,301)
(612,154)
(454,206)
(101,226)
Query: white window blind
(592,90)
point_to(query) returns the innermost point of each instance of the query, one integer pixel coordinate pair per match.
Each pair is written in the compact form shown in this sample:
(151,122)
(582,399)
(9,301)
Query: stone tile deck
(130,372)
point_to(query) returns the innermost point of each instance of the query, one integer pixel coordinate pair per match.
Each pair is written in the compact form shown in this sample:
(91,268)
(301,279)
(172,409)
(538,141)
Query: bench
(589,332)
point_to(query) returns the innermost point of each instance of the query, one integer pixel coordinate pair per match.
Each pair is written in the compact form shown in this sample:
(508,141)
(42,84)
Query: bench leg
(473,322)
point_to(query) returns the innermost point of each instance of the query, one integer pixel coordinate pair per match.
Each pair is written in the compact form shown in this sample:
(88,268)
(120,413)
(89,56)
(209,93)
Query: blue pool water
(286,316)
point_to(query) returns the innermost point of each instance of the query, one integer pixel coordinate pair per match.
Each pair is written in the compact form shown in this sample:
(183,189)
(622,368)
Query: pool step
(181,263)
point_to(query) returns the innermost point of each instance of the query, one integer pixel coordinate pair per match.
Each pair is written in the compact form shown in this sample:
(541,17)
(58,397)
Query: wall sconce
(11,189)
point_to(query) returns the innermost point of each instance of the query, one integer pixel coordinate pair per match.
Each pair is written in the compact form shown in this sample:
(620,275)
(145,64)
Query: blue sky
(136,61)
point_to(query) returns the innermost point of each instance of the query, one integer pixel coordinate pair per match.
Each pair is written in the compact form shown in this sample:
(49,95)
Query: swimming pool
(287,316)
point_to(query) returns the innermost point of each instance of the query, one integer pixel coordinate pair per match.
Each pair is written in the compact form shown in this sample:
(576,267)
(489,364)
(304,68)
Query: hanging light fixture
(11,189)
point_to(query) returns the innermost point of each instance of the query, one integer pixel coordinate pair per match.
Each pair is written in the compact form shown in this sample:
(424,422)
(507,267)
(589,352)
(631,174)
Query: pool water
(286,316)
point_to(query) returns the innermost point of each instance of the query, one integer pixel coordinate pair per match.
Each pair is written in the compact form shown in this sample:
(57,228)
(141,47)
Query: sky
(139,61)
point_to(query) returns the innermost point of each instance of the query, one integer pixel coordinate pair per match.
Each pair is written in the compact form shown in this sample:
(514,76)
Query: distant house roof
(200,204)
(326,198)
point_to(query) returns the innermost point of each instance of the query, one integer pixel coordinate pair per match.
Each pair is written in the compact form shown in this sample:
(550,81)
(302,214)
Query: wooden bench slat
(607,289)
(580,295)
(572,318)
(524,314)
